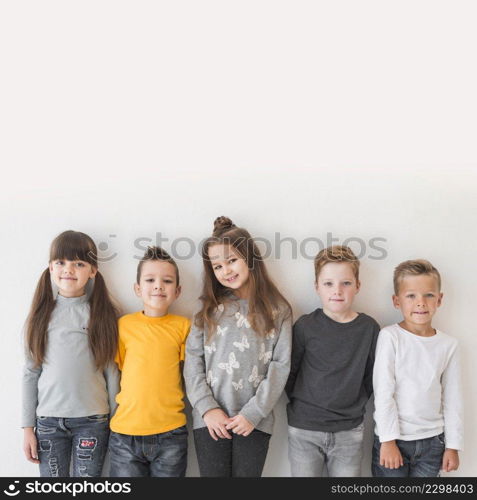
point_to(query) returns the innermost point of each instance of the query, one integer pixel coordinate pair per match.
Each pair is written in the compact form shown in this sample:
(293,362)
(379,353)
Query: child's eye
(149,280)
(327,283)
(347,283)
(216,268)
(168,281)
(430,295)
(231,261)
(410,296)
(80,264)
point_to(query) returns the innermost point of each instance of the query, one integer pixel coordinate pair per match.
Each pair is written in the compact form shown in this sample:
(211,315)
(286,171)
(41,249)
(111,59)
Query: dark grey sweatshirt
(331,372)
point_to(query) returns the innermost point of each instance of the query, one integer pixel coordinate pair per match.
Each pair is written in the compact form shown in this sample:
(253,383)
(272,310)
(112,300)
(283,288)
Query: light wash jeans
(309,451)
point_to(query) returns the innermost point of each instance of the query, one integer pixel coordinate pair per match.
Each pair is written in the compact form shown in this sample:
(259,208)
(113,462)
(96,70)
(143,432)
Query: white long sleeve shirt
(417,387)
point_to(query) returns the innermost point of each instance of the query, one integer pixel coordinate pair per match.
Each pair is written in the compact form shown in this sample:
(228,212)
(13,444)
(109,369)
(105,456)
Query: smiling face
(71,276)
(157,287)
(418,299)
(230,268)
(336,286)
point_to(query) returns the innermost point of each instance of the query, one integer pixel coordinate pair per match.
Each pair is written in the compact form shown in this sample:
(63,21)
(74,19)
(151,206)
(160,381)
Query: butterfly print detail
(241,346)
(229,367)
(242,320)
(211,348)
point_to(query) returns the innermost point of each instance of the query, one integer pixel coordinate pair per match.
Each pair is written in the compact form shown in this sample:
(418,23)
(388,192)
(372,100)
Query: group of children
(93,383)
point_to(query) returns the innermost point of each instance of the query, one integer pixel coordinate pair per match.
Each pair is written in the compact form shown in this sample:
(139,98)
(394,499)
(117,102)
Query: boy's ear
(178,291)
(358,286)
(137,290)
(439,299)
(396,301)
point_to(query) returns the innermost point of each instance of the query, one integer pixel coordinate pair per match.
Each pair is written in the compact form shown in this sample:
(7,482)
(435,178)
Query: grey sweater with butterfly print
(237,369)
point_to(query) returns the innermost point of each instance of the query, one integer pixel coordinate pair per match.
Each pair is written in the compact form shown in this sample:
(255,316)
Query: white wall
(304,118)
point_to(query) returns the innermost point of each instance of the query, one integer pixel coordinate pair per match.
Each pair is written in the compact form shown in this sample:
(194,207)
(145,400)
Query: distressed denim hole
(83,471)
(45,445)
(45,430)
(53,463)
(85,449)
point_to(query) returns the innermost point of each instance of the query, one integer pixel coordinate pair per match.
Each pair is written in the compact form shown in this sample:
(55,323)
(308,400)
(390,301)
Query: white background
(355,118)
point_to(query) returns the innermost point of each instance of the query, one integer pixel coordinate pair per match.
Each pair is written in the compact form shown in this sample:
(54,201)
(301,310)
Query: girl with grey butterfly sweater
(237,356)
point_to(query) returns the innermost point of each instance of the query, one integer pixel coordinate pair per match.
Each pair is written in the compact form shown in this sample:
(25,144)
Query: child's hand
(450,460)
(390,456)
(240,425)
(30,445)
(216,421)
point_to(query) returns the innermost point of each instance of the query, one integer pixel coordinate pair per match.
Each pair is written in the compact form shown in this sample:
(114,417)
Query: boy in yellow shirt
(148,431)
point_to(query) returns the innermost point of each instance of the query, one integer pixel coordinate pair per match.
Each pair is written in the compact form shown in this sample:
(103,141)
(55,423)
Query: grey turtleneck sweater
(68,384)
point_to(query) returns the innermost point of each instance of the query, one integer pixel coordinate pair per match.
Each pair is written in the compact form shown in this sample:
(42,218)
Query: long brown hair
(102,328)
(264,299)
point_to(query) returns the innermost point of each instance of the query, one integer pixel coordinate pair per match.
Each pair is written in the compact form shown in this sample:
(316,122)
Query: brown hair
(156,253)
(414,267)
(103,331)
(265,298)
(336,253)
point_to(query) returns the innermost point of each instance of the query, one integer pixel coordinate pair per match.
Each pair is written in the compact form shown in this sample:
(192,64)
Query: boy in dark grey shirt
(330,379)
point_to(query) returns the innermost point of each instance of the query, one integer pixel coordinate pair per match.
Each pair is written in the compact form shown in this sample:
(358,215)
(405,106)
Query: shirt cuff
(253,416)
(389,437)
(205,404)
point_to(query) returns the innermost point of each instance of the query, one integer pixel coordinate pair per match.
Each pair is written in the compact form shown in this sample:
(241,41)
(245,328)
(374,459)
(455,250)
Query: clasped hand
(219,424)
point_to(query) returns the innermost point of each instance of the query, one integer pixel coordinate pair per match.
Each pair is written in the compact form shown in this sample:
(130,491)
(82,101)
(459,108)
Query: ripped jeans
(85,439)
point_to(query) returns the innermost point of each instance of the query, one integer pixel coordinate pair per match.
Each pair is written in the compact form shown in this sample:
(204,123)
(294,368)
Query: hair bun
(222,224)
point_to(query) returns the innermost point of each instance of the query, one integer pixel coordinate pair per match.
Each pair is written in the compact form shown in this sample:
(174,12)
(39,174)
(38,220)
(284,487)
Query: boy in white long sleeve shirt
(416,379)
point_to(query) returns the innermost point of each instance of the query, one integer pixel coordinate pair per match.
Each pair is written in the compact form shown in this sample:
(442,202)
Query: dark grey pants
(237,457)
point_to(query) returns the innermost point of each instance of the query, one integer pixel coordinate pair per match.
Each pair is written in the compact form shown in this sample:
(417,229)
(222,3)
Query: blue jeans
(309,451)
(422,458)
(156,455)
(84,438)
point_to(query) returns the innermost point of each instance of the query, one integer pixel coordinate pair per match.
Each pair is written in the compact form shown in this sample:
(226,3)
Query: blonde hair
(336,253)
(414,267)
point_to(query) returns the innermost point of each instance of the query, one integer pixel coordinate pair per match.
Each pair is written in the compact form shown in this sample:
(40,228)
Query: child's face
(418,299)
(71,276)
(336,286)
(230,268)
(157,287)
